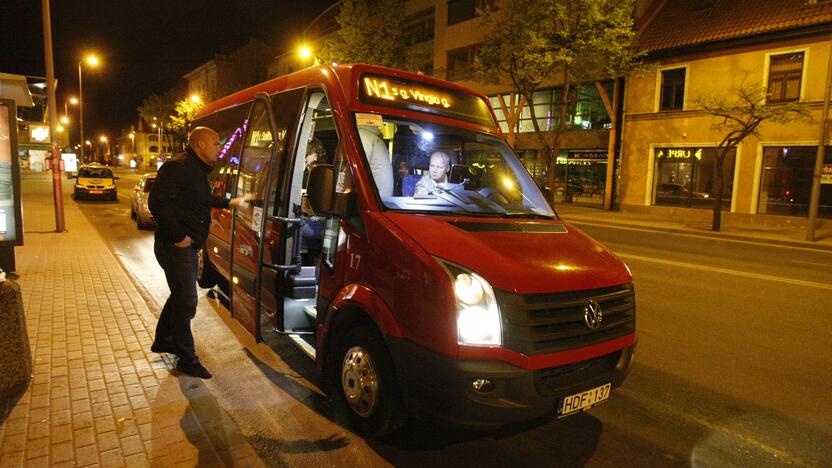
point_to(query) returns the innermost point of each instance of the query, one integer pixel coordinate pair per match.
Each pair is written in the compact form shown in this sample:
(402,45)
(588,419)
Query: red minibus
(400,242)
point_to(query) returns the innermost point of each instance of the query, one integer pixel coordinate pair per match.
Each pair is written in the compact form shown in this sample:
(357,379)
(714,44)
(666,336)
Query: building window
(154,149)
(420,27)
(153,138)
(461,10)
(784,76)
(460,63)
(673,90)
(685,177)
(588,112)
(787,181)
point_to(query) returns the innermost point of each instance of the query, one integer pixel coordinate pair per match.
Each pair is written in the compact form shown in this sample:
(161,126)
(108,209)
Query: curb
(716,235)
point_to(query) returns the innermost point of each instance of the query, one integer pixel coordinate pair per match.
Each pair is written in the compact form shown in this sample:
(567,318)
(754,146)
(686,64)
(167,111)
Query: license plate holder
(582,401)
(96,192)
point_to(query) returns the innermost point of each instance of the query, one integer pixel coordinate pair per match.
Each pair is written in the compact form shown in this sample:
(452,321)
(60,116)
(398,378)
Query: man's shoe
(163,348)
(194,370)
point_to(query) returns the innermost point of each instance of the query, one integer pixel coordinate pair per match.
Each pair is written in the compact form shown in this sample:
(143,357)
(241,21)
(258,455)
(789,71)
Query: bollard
(15,355)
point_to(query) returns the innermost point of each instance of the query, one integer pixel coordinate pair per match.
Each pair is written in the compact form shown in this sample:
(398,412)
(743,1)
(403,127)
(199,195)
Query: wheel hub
(359,381)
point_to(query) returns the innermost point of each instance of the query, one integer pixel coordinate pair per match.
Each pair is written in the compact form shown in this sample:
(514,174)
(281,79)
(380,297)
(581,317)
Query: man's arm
(162,198)
(422,187)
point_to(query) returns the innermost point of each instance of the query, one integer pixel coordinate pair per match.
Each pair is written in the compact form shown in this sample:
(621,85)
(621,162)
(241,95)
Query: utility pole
(51,84)
(821,154)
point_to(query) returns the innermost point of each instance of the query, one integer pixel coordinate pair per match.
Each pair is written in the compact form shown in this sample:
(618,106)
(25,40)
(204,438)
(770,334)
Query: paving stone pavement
(98,396)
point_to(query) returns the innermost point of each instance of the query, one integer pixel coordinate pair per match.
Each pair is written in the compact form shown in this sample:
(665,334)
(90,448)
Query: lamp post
(65,119)
(103,139)
(91,60)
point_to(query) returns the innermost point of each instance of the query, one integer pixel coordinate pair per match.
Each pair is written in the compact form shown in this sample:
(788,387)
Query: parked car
(678,194)
(95,181)
(138,202)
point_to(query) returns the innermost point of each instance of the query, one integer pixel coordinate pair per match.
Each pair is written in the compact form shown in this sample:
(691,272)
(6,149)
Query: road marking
(694,266)
(678,232)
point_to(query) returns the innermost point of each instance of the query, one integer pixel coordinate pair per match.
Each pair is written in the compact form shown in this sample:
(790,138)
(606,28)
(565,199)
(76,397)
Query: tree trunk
(719,173)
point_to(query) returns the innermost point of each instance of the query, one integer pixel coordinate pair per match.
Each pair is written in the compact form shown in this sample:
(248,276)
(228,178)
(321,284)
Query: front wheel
(206,276)
(367,383)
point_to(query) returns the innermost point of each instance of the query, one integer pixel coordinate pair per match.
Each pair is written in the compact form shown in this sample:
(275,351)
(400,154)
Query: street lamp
(92,61)
(103,139)
(195,98)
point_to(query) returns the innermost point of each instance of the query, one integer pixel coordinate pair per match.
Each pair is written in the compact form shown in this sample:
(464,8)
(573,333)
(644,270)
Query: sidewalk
(735,228)
(98,396)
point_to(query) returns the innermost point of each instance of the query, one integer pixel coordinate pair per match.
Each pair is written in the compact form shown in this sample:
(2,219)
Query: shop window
(784,76)
(154,149)
(673,90)
(580,177)
(420,27)
(685,178)
(461,10)
(460,63)
(787,182)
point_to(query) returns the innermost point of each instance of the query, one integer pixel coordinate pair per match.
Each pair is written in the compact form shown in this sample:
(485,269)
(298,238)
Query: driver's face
(438,169)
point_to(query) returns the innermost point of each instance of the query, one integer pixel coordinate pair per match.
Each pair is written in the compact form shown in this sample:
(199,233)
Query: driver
(440,166)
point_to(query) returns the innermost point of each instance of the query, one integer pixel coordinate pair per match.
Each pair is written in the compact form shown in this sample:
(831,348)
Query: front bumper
(441,388)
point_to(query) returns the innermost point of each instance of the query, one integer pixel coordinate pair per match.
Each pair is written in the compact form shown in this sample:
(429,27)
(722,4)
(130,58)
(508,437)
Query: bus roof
(345,77)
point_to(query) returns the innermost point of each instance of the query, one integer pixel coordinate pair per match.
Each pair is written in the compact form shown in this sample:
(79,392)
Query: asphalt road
(733,367)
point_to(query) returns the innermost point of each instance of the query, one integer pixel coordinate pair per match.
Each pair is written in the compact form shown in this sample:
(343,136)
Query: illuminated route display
(420,97)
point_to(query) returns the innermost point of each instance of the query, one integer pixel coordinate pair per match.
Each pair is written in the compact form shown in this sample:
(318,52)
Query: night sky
(145,46)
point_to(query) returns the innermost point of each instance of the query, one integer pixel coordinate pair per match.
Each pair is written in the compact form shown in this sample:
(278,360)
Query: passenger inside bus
(312,229)
(378,157)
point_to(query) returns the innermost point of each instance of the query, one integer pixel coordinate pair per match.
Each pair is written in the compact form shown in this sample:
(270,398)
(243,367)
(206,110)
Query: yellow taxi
(95,181)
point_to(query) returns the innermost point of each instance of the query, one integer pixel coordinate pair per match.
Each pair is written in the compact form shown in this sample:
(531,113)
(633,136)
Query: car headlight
(79,186)
(478,315)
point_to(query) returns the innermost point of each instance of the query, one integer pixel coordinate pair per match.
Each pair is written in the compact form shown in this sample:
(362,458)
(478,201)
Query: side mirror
(321,193)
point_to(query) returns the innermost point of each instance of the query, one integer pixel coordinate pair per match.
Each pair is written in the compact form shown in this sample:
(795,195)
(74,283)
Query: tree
(159,106)
(372,31)
(739,114)
(571,41)
(179,124)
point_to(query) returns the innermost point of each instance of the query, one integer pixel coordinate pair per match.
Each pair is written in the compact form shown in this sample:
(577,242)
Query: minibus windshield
(423,166)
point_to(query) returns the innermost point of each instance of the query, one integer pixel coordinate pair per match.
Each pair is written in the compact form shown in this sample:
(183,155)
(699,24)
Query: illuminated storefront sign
(39,133)
(422,97)
(679,153)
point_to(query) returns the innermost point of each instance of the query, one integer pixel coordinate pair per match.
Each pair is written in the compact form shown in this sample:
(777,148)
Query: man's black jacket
(181,199)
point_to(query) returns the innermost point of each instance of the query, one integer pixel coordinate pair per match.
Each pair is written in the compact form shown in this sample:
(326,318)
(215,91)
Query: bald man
(181,202)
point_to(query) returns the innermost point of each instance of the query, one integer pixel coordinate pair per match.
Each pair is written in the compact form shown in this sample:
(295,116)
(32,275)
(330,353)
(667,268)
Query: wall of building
(645,128)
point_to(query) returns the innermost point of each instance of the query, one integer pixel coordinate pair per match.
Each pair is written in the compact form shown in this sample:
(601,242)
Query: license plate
(96,191)
(584,400)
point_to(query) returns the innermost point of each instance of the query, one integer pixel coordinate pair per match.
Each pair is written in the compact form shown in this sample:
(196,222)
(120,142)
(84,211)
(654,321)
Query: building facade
(702,48)
(229,72)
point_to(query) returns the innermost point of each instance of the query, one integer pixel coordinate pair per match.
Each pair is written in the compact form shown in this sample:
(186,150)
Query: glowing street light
(91,60)
(305,52)
(195,98)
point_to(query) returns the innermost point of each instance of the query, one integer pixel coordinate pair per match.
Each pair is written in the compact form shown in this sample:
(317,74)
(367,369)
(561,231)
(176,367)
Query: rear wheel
(206,276)
(367,383)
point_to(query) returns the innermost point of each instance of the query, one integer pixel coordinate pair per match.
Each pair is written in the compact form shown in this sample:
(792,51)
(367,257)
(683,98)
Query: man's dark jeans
(174,327)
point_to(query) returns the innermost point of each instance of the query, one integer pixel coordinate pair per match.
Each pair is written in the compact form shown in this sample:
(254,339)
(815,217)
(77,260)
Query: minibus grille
(547,323)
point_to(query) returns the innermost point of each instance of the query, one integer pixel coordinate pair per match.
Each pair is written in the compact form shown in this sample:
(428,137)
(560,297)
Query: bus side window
(230,125)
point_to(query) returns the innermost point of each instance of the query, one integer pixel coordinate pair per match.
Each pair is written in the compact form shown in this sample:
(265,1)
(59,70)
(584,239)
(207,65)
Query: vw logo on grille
(593,315)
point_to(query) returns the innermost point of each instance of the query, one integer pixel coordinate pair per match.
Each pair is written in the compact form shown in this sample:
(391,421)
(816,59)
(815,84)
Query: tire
(367,383)
(206,276)
(132,211)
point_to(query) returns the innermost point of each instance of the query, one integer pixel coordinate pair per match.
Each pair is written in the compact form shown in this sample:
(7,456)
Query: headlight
(477,316)
(79,186)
